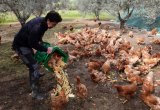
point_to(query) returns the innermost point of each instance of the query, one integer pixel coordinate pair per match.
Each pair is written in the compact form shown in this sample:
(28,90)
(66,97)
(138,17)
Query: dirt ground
(15,89)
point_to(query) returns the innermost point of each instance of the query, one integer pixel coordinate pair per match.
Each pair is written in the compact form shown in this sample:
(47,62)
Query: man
(30,37)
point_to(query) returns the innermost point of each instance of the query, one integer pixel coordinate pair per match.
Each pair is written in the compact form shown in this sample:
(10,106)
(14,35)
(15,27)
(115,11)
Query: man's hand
(34,50)
(49,50)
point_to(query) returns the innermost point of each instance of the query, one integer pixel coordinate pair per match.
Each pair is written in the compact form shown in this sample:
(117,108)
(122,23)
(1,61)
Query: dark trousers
(26,54)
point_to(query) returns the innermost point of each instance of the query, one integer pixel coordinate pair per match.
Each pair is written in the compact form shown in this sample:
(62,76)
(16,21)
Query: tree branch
(127,16)
(119,16)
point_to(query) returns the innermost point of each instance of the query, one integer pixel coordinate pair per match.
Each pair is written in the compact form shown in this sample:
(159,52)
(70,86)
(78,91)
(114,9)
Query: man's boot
(34,80)
(36,94)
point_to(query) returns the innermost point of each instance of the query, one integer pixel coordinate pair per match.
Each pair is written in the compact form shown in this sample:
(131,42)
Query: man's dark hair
(53,16)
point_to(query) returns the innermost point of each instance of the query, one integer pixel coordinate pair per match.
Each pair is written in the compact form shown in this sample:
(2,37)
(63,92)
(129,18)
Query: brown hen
(148,85)
(151,61)
(154,31)
(130,34)
(94,65)
(149,99)
(140,40)
(126,91)
(135,78)
(58,102)
(97,76)
(125,46)
(82,91)
(144,69)
(106,67)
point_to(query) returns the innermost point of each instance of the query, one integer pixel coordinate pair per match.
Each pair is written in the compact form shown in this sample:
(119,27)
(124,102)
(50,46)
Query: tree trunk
(17,8)
(96,13)
(124,20)
(97,17)
(122,24)
(22,22)
(40,13)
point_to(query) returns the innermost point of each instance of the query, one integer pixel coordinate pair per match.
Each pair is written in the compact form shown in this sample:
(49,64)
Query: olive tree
(39,7)
(122,9)
(3,10)
(21,8)
(91,6)
(150,9)
(60,4)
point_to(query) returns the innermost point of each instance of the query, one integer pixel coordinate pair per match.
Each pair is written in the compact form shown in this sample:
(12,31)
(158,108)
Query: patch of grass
(7,17)
(71,14)
(74,14)
(7,65)
(66,15)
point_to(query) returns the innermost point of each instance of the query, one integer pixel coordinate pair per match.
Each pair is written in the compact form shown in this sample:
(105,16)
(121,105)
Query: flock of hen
(119,54)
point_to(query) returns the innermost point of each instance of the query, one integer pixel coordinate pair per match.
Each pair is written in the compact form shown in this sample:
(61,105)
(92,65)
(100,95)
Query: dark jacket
(30,35)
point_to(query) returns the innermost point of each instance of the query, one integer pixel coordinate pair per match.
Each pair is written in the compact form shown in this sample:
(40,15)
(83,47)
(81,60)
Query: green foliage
(2,17)
(7,17)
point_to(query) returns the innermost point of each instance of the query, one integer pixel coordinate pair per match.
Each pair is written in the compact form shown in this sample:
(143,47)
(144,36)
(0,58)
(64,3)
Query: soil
(14,93)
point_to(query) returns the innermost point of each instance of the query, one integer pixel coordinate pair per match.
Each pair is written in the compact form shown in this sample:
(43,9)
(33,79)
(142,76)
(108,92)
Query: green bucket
(43,57)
